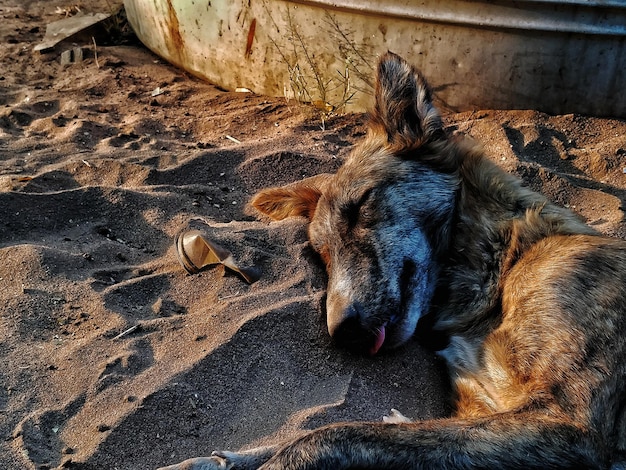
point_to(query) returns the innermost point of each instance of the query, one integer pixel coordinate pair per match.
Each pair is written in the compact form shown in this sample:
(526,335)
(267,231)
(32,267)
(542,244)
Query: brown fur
(530,299)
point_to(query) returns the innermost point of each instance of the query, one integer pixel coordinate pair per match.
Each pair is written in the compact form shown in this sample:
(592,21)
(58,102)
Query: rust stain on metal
(250,37)
(174,40)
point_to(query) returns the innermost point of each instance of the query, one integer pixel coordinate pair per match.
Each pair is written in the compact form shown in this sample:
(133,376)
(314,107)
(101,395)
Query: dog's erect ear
(295,199)
(404,107)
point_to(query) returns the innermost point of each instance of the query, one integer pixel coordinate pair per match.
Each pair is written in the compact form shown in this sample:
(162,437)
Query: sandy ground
(96,178)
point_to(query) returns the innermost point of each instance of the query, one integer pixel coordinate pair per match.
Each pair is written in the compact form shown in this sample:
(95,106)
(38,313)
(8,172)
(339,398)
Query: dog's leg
(505,441)
(225,460)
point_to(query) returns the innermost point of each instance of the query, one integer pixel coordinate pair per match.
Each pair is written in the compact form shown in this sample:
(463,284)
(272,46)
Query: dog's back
(536,319)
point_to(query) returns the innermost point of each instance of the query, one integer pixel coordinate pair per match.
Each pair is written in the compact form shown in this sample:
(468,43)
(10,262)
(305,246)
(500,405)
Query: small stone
(66,57)
(157,306)
(78,54)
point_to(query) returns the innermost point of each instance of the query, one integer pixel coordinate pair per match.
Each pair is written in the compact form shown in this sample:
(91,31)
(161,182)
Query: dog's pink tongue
(380,339)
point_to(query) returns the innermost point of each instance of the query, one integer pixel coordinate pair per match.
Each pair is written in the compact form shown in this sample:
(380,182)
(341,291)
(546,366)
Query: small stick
(229,296)
(128,331)
(95,51)
(233,139)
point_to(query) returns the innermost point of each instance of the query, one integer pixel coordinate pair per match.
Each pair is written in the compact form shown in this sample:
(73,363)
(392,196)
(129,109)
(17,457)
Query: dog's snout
(348,330)
(347,320)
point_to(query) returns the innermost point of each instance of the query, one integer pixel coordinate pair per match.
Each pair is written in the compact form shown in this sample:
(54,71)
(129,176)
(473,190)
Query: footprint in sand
(37,436)
(24,115)
(136,293)
(137,358)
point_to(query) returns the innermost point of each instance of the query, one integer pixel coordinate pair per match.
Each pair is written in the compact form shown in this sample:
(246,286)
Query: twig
(95,51)
(317,75)
(128,331)
(307,80)
(233,139)
(229,296)
(346,42)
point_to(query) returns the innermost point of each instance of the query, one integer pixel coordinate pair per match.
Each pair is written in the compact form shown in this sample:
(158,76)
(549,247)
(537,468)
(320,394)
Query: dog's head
(381,221)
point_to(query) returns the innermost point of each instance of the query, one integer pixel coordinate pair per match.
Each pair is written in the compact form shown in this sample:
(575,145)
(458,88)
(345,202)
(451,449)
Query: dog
(419,225)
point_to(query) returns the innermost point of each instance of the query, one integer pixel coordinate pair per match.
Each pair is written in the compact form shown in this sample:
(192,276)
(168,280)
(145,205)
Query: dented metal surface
(563,56)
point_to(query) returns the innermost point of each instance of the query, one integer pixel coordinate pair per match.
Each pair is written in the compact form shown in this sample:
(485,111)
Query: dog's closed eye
(358,211)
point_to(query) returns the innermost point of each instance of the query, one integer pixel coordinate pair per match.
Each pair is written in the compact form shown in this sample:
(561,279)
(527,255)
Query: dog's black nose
(349,332)
(338,323)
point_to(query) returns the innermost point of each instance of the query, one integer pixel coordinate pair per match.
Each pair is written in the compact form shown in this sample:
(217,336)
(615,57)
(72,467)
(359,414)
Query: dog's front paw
(201,463)
(225,460)
(395,417)
(236,460)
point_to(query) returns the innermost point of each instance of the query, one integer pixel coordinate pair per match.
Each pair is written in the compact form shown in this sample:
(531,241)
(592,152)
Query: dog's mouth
(384,335)
(369,334)
(379,339)
(385,332)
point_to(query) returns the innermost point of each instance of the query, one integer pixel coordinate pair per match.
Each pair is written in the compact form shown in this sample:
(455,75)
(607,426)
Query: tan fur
(291,200)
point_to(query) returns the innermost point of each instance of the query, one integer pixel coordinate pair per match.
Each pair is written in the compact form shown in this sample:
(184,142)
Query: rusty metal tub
(558,56)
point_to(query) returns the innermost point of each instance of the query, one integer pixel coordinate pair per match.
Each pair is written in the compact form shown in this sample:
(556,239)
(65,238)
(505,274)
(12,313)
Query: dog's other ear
(404,107)
(295,199)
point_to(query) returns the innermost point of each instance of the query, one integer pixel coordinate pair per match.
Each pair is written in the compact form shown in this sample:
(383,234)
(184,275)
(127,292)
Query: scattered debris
(196,252)
(128,331)
(68,11)
(67,28)
(72,56)
(95,51)
(237,141)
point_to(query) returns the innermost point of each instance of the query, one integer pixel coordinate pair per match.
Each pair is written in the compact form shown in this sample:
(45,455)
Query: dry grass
(309,81)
